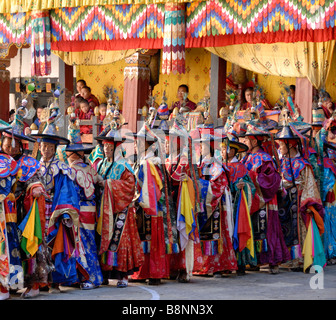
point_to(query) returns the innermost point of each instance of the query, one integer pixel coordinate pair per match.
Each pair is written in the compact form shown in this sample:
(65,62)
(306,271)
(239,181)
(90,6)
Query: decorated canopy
(240,31)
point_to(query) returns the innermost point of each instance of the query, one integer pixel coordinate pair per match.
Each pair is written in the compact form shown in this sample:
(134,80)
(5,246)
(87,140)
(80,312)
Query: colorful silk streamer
(151,189)
(243,236)
(41,44)
(31,230)
(4,254)
(173,52)
(186,222)
(312,250)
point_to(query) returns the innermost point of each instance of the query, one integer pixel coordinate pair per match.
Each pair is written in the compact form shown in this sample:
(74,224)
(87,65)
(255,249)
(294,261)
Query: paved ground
(254,285)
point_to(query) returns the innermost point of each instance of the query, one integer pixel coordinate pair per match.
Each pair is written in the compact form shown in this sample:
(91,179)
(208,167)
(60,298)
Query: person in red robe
(120,249)
(248,101)
(327,105)
(86,113)
(183,101)
(156,216)
(242,188)
(87,95)
(183,173)
(269,239)
(28,189)
(216,219)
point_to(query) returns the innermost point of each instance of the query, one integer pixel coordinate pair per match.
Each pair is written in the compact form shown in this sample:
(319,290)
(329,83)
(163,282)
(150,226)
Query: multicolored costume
(270,245)
(35,259)
(86,182)
(120,247)
(11,271)
(186,197)
(326,152)
(30,210)
(300,210)
(215,220)
(243,242)
(156,215)
(62,208)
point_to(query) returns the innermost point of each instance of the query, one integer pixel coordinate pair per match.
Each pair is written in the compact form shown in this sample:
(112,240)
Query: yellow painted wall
(272,85)
(331,80)
(97,77)
(196,77)
(198,62)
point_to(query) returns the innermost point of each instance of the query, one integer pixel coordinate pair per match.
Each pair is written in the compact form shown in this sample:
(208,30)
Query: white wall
(26,65)
(25,71)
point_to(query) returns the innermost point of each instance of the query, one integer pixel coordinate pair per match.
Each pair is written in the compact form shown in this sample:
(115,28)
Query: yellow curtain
(94,57)
(331,80)
(300,59)
(11,6)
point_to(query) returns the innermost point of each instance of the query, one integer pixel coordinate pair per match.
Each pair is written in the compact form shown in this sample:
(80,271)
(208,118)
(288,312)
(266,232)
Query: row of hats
(112,132)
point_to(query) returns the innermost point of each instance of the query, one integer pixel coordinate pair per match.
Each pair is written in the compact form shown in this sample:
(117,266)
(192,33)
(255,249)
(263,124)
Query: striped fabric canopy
(84,25)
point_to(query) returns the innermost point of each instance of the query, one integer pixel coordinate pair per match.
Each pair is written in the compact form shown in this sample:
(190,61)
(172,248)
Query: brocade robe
(301,204)
(215,220)
(270,244)
(11,271)
(120,247)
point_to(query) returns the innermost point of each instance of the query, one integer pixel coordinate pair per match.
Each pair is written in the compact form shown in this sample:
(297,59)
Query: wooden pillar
(304,98)
(66,82)
(6,53)
(136,88)
(217,87)
(4,89)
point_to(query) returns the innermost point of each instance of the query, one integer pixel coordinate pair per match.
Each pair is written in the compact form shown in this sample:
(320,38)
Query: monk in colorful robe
(61,225)
(87,179)
(155,214)
(216,217)
(243,191)
(30,206)
(300,204)
(270,244)
(327,154)
(11,271)
(183,182)
(120,249)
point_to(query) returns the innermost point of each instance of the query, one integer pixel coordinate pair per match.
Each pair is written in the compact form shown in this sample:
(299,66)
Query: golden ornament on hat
(33,126)
(223,112)
(96,111)
(144,111)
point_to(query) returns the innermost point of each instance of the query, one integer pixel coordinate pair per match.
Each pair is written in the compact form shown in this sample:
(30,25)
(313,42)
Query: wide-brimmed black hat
(254,131)
(49,135)
(112,135)
(75,139)
(77,147)
(144,133)
(286,133)
(233,139)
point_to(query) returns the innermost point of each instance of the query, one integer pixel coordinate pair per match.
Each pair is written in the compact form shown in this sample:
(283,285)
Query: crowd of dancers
(175,200)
